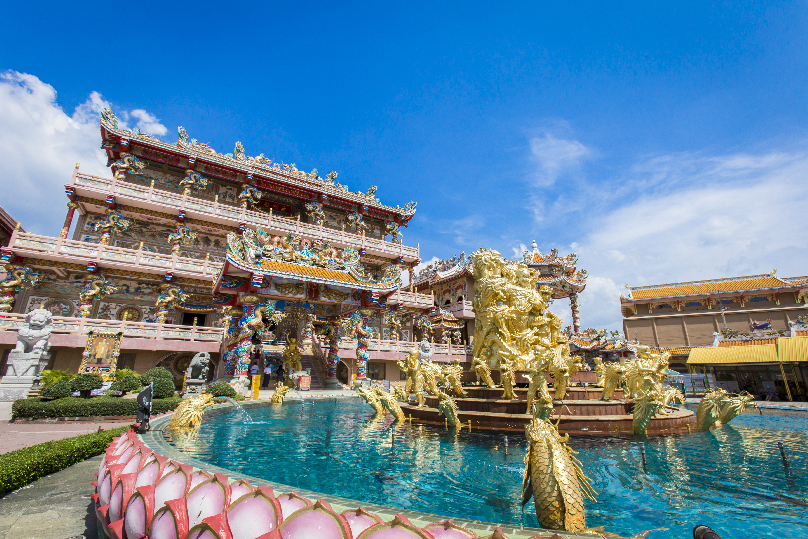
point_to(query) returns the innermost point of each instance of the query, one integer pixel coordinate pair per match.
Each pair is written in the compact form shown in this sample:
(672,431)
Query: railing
(379,345)
(319,354)
(108,254)
(225,213)
(411,299)
(145,330)
(458,306)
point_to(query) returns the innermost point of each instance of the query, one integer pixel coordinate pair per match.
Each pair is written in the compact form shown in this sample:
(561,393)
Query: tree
(221,389)
(57,390)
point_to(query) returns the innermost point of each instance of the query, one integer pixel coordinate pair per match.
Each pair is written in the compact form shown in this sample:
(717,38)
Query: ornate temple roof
(239,167)
(558,272)
(445,320)
(258,253)
(443,270)
(750,283)
(600,340)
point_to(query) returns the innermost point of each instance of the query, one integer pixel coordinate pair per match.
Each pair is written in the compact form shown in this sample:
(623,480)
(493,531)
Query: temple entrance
(188,319)
(343,373)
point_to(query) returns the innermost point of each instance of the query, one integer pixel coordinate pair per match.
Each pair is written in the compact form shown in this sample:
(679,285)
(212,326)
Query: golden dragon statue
(371,397)
(189,412)
(508,378)
(601,380)
(563,367)
(401,393)
(279,393)
(645,408)
(483,371)
(183,235)
(538,381)
(448,407)
(18,278)
(114,222)
(410,367)
(390,403)
(553,477)
(613,374)
(718,407)
(453,374)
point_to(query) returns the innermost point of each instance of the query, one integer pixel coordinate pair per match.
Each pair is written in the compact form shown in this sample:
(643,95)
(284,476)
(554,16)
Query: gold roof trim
(735,284)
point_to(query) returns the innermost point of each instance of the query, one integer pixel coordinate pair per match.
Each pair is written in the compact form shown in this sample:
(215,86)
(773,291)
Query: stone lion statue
(198,368)
(424,352)
(33,336)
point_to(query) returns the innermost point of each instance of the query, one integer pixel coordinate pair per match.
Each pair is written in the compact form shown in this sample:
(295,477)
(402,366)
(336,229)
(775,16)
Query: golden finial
(298,217)
(195,320)
(18,226)
(141,246)
(216,198)
(41,305)
(152,183)
(207,257)
(774,272)
(77,165)
(270,211)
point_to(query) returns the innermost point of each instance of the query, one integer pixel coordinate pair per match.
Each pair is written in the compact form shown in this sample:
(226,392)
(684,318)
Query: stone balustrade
(66,325)
(411,299)
(213,211)
(108,256)
(386,349)
(459,309)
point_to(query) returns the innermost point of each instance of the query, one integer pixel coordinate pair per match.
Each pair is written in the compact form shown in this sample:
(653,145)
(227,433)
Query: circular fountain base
(582,413)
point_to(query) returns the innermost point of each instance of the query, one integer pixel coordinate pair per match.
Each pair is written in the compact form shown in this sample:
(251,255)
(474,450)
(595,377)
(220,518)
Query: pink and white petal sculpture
(317,520)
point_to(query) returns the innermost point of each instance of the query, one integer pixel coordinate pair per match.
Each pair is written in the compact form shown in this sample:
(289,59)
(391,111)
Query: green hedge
(78,407)
(221,389)
(23,466)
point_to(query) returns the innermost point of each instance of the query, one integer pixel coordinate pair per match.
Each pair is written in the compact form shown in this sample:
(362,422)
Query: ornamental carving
(332,294)
(289,289)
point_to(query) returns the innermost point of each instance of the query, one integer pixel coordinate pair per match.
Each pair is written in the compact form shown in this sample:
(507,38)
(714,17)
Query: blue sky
(660,141)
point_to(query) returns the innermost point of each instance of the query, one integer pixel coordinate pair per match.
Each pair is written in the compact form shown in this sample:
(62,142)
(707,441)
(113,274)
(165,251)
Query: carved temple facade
(159,250)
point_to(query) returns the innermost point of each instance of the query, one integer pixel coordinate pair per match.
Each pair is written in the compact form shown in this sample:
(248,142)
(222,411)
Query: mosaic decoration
(315,212)
(240,331)
(193,181)
(356,327)
(170,296)
(101,353)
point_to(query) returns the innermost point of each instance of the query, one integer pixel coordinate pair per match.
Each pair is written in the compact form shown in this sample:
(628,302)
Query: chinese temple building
(181,240)
(736,328)
(599,343)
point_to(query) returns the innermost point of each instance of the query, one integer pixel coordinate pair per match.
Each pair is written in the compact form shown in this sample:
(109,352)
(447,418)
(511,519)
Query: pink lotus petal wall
(141,494)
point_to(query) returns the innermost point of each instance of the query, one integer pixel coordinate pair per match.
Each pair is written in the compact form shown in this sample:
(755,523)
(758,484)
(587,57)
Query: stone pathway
(26,433)
(55,507)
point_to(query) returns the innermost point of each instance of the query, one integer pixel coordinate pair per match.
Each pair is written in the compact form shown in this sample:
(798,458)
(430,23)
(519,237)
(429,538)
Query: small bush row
(23,466)
(77,407)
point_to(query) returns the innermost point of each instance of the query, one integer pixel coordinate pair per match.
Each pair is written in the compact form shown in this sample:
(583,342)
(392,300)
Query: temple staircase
(309,362)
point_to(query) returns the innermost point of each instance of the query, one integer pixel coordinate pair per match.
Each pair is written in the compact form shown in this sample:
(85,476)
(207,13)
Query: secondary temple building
(750,332)
(180,241)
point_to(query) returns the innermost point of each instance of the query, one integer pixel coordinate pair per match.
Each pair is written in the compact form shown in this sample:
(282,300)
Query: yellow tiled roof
(757,353)
(793,349)
(737,284)
(310,271)
(676,351)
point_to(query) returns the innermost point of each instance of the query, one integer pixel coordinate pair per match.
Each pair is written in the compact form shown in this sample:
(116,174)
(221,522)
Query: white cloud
(40,144)
(726,216)
(554,157)
(148,123)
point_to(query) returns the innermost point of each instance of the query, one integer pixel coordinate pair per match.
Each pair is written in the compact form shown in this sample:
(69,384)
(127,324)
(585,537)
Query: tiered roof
(599,340)
(444,270)
(558,272)
(751,283)
(445,320)
(239,167)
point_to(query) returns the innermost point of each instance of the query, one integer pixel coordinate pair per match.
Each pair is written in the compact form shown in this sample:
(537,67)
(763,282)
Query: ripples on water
(732,479)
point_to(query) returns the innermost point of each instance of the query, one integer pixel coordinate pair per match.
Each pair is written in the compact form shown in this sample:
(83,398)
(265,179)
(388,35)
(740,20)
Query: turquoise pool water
(732,479)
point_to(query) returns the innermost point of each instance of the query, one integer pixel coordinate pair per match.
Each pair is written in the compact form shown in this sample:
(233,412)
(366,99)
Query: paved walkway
(23,434)
(55,507)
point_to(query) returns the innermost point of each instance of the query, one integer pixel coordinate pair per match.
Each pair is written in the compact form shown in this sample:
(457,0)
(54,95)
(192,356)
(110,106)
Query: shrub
(163,388)
(123,373)
(94,407)
(221,389)
(84,383)
(59,390)
(157,373)
(51,377)
(126,384)
(23,466)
